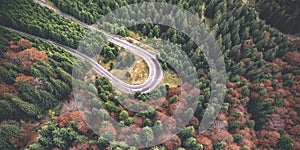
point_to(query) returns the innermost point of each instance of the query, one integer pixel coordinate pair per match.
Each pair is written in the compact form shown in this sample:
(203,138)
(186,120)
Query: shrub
(225,106)
(158,148)
(150,112)
(123,115)
(263,91)
(281,131)
(234,125)
(102,142)
(285,143)
(147,135)
(219,145)
(244,100)
(173,99)
(129,121)
(158,125)
(279,102)
(236,114)
(237,137)
(245,91)
(273,95)
(35,146)
(287,80)
(192,144)
(122,123)
(111,106)
(232,100)
(132,148)
(118,145)
(147,122)
(187,132)
(229,90)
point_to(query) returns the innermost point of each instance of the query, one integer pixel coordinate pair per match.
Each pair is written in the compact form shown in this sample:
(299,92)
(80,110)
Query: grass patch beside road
(171,79)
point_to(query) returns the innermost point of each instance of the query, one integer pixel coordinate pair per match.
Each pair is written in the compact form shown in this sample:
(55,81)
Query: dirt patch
(139,73)
(171,79)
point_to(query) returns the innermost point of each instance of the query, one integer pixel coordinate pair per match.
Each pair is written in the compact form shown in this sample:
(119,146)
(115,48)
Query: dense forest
(260,108)
(284,15)
(50,71)
(237,25)
(30,17)
(35,76)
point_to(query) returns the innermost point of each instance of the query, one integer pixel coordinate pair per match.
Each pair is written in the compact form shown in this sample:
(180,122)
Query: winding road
(155,69)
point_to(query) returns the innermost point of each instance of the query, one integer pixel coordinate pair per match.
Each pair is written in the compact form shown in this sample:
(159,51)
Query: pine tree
(27,108)
(147,135)
(7,133)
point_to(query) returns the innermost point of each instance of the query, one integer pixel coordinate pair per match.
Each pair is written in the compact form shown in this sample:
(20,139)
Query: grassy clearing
(136,73)
(135,36)
(171,79)
(139,72)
